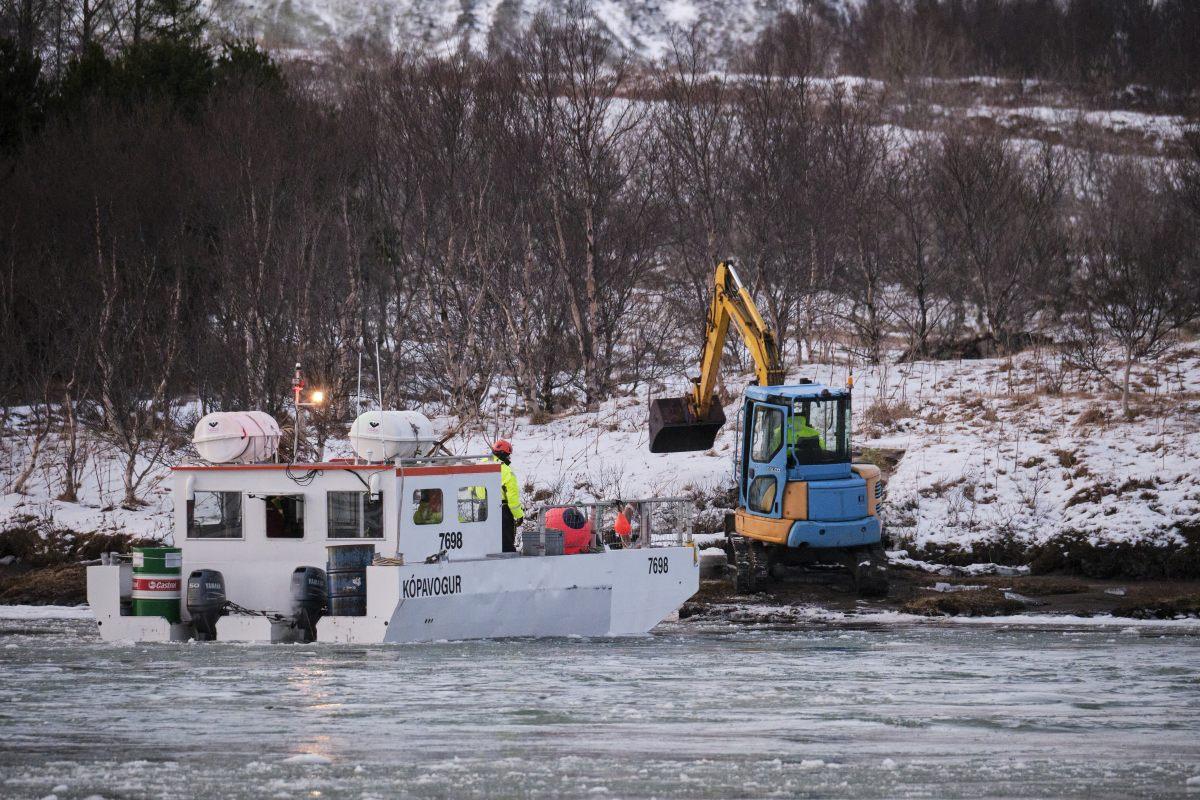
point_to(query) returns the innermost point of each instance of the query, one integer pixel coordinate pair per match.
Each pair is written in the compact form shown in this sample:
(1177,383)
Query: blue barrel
(347,571)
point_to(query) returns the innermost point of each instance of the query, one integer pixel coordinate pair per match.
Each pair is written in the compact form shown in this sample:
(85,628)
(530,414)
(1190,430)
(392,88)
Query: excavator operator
(804,440)
(512,512)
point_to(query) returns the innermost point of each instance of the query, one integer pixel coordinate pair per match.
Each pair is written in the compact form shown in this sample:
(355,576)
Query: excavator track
(743,559)
(867,567)
(753,563)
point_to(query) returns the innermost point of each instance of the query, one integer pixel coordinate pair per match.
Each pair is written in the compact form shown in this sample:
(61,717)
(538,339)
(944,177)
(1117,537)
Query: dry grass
(1168,606)
(1133,484)
(1066,458)
(1092,415)
(887,414)
(975,603)
(1090,494)
(61,585)
(1043,585)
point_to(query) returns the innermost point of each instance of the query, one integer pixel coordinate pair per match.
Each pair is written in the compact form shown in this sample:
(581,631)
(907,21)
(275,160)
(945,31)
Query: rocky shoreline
(921,592)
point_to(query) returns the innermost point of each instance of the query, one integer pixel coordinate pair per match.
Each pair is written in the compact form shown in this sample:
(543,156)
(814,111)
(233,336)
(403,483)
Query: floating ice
(307,758)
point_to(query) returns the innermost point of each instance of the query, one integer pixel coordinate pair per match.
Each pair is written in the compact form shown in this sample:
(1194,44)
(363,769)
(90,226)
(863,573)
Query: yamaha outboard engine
(206,601)
(310,595)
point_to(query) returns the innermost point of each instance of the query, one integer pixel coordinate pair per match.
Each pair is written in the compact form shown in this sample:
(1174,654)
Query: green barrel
(157,582)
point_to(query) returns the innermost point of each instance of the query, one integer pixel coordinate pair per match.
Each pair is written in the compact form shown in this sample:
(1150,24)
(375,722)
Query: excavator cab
(797,483)
(819,432)
(792,433)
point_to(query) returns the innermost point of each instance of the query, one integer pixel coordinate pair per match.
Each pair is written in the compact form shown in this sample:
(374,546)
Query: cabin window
(285,516)
(215,515)
(427,506)
(768,433)
(821,431)
(355,515)
(761,497)
(472,504)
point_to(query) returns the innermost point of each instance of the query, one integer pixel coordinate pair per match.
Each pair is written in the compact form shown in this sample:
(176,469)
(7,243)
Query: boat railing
(443,460)
(654,521)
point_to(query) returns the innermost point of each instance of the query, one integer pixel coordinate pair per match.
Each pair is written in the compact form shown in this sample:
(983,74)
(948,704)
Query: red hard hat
(502,446)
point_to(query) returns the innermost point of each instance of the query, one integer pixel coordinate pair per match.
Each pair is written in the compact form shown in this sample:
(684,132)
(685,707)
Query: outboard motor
(310,596)
(206,601)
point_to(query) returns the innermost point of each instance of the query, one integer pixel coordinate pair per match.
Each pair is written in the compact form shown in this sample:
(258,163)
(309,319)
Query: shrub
(1066,458)
(888,414)
(977,603)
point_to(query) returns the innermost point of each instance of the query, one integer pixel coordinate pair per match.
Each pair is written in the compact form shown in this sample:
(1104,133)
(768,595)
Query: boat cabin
(257,522)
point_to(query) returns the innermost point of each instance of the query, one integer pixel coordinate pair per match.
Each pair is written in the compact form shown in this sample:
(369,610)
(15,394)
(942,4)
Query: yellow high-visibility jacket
(800,429)
(510,491)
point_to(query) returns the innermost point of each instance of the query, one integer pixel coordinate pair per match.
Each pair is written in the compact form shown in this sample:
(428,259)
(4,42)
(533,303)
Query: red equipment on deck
(575,526)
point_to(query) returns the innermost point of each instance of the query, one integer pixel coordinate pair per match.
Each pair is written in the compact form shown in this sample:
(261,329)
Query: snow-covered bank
(1154,130)
(1006,455)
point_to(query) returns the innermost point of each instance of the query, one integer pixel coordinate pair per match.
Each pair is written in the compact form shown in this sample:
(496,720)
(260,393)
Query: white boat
(437,575)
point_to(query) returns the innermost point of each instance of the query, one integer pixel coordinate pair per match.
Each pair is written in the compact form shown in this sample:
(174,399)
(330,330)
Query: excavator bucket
(675,429)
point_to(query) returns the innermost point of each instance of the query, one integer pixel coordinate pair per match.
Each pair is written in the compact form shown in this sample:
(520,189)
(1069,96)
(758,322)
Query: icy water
(885,711)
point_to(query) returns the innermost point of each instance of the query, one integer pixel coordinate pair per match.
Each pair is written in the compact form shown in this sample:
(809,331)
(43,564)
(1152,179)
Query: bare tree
(1000,216)
(37,430)
(856,152)
(592,141)
(780,226)
(919,266)
(516,239)
(698,143)
(1135,287)
(26,22)
(137,342)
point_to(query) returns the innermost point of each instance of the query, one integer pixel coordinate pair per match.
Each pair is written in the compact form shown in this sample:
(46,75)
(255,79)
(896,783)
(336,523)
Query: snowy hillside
(1000,457)
(640,28)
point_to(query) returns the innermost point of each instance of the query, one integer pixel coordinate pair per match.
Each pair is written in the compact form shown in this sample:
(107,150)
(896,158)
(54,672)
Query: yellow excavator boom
(692,422)
(732,302)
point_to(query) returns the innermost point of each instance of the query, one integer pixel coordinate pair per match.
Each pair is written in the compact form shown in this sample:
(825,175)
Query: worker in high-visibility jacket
(511,510)
(805,440)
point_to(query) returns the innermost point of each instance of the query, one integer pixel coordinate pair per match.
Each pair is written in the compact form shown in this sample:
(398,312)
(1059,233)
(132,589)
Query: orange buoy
(576,528)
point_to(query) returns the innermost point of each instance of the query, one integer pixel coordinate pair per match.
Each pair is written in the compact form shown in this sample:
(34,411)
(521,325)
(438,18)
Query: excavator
(801,500)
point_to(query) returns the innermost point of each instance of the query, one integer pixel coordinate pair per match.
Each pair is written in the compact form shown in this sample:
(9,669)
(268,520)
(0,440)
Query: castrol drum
(157,582)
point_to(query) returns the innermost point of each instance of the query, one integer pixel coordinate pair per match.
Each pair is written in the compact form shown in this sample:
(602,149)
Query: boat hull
(615,593)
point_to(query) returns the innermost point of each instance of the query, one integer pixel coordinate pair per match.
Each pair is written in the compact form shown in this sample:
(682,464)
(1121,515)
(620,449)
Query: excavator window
(768,433)
(761,497)
(819,431)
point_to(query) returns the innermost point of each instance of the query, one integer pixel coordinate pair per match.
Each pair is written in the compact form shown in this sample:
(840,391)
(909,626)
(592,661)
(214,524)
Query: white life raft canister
(384,435)
(236,437)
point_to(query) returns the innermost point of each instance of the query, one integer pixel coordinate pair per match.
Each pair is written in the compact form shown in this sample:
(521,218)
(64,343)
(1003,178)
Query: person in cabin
(511,510)
(805,440)
(429,509)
